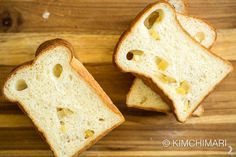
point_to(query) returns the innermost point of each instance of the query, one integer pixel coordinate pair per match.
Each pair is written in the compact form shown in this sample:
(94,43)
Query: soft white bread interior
(143,97)
(62,99)
(201,31)
(157,49)
(178,5)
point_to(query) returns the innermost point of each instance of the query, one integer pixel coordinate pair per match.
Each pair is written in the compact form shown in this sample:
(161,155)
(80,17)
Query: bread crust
(150,109)
(195,114)
(209,47)
(82,71)
(160,110)
(149,80)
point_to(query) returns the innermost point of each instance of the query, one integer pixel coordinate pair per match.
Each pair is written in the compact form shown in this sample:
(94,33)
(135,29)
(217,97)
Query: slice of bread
(62,99)
(158,50)
(143,97)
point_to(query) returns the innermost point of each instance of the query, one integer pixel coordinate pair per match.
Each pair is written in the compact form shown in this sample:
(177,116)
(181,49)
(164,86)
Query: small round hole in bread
(129,55)
(101,119)
(57,70)
(21,85)
(134,55)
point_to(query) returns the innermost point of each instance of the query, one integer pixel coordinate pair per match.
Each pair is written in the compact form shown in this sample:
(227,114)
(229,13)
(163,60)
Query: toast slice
(62,99)
(143,97)
(158,50)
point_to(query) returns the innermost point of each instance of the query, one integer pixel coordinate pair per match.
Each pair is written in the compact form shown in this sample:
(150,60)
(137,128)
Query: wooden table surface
(93,27)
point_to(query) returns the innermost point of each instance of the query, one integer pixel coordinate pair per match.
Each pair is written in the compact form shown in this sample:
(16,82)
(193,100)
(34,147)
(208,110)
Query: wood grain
(93,27)
(98,16)
(89,48)
(47,153)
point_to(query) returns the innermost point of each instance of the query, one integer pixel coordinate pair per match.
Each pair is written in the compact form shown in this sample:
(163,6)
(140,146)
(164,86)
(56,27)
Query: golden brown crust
(50,44)
(81,71)
(149,108)
(37,129)
(149,82)
(13,72)
(147,79)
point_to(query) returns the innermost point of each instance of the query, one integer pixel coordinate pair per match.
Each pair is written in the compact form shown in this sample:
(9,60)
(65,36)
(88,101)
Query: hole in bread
(21,85)
(101,119)
(134,55)
(64,112)
(57,70)
(199,36)
(154,17)
(129,56)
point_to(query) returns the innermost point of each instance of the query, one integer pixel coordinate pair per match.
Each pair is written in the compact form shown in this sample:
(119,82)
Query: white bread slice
(62,99)
(150,40)
(140,91)
(178,5)
(143,97)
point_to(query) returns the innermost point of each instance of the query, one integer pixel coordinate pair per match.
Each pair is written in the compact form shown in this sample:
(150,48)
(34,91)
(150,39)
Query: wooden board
(93,27)
(98,16)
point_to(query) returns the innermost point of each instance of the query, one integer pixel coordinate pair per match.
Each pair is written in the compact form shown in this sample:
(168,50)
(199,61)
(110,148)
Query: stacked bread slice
(168,53)
(143,97)
(65,103)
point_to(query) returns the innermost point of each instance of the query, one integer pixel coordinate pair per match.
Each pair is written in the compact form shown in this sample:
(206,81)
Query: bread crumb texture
(183,69)
(64,107)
